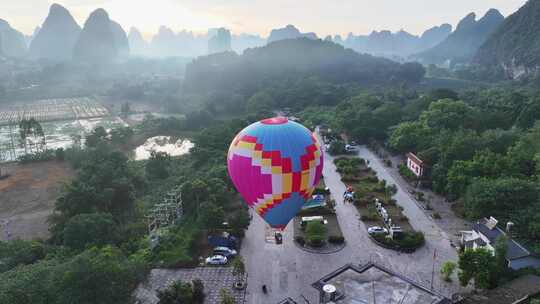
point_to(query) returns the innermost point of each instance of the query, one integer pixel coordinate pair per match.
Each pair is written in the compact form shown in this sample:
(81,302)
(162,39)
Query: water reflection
(173,147)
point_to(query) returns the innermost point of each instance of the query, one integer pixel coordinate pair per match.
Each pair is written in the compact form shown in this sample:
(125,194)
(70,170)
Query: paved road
(289,271)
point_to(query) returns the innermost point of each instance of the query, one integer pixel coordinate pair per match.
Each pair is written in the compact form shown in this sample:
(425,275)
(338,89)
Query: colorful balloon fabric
(275,164)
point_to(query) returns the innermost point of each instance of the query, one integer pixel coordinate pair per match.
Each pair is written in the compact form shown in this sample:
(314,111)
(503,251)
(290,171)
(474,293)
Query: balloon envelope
(275,164)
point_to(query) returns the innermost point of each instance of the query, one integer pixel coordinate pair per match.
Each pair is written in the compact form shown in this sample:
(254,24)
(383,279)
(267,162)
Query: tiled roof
(415,158)
(515,250)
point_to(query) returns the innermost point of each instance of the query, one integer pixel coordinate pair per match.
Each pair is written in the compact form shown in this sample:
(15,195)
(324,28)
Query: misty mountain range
(101,39)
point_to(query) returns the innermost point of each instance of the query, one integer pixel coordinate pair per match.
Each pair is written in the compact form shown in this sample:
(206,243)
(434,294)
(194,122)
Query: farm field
(62,120)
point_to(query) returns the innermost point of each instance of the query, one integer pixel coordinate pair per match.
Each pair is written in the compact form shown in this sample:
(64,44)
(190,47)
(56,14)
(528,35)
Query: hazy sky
(260,16)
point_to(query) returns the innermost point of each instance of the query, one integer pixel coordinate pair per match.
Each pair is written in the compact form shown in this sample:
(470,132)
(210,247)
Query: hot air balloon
(275,164)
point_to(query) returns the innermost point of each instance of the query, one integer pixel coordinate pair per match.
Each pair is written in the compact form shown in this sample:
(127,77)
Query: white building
(415,164)
(484,234)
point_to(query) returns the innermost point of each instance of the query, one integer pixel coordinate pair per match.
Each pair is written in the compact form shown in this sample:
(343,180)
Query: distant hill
(397,45)
(12,41)
(462,44)
(434,36)
(220,41)
(294,58)
(137,45)
(241,42)
(56,37)
(120,40)
(515,45)
(288,32)
(101,40)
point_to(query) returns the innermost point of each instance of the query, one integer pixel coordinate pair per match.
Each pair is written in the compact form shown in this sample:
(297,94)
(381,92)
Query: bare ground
(27,197)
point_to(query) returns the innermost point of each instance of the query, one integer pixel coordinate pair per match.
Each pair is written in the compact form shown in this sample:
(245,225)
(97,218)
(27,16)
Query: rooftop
(415,158)
(372,283)
(515,250)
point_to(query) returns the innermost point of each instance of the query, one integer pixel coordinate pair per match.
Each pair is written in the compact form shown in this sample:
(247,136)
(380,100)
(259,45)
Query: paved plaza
(214,279)
(289,271)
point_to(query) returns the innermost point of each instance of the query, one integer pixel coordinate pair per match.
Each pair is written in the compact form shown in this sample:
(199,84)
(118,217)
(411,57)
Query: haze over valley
(254,152)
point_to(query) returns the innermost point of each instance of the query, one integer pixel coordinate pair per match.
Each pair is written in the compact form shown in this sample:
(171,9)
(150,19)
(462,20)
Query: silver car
(377,230)
(225,251)
(216,260)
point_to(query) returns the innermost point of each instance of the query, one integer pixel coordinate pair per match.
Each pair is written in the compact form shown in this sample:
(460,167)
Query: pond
(172,146)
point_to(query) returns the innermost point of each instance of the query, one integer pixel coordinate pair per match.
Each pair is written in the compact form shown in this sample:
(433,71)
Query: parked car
(350,148)
(377,230)
(225,251)
(216,260)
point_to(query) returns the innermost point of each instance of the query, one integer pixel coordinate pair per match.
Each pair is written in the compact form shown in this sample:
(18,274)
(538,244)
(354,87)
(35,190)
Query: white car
(350,148)
(224,251)
(377,230)
(216,260)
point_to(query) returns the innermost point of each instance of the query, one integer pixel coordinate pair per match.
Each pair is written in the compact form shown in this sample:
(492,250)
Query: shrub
(336,239)
(372,179)
(406,173)
(300,240)
(447,270)
(392,189)
(198,291)
(436,216)
(316,240)
(60,154)
(411,240)
(388,162)
(337,147)
(315,228)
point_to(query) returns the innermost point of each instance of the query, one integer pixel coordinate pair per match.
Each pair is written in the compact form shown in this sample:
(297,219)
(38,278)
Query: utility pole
(433,269)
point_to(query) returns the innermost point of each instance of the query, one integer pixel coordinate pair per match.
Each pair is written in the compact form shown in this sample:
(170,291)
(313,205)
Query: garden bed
(368,188)
(331,240)
(409,243)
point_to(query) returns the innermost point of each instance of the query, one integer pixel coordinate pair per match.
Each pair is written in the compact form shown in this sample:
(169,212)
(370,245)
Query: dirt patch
(27,197)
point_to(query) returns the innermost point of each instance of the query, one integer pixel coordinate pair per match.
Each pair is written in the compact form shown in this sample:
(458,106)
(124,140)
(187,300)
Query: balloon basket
(274,235)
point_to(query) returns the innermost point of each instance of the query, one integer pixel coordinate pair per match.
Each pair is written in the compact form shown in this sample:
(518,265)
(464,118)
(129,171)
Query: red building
(415,164)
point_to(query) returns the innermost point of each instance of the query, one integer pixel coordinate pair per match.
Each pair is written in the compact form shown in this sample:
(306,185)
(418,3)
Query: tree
(193,193)
(409,136)
(211,216)
(20,252)
(89,229)
(501,249)
(503,198)
(177,293)
(478,265)
(32,135)
(30,284)
(98,135)
(225,297)
(337,147)
(98,276)
(447,114)
(198,291)
(121,135)
(157,166)
(447,270)
(239,269)
(239,222)
(260,102)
